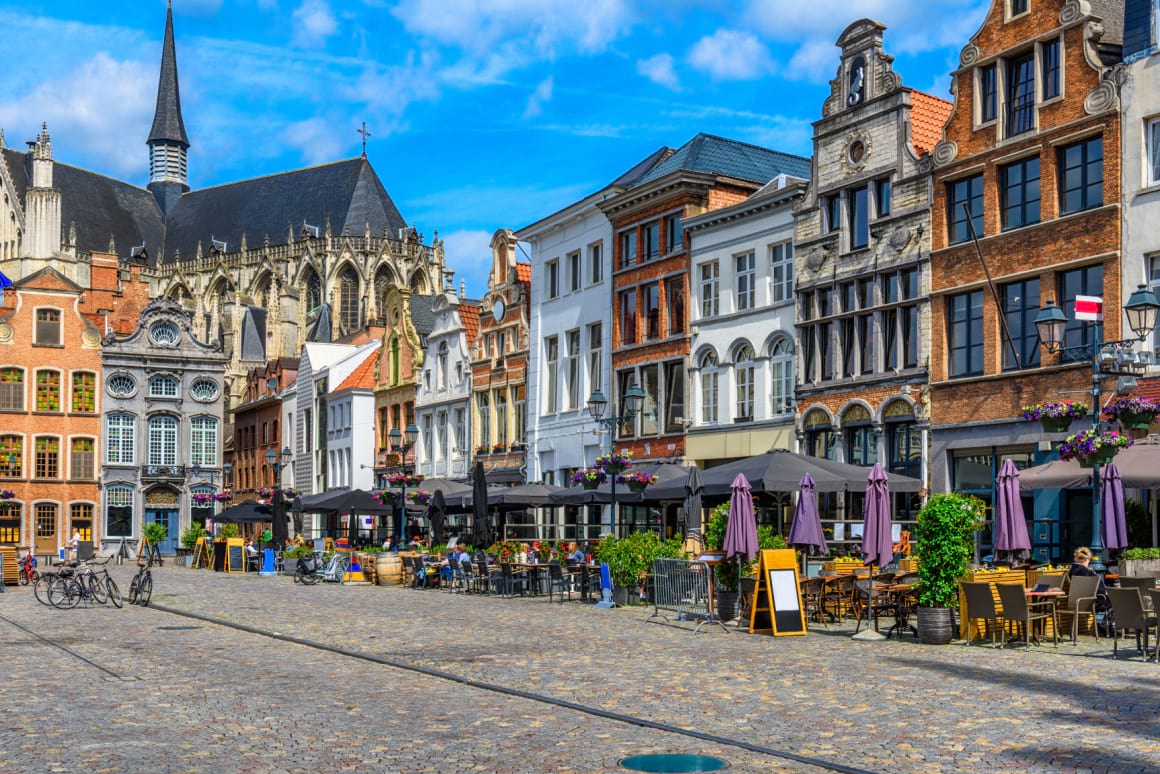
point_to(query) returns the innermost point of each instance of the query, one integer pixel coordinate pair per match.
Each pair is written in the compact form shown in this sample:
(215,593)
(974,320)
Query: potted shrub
(1055,417)
(945,541)
(630,561)
(291,556)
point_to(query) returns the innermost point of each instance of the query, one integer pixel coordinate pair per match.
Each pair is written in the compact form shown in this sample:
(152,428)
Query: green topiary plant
(189,537)
(156,533)
(229,531)
(630,558)
(944,544)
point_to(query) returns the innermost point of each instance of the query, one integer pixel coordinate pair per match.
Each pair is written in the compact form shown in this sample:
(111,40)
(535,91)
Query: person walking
(73,544)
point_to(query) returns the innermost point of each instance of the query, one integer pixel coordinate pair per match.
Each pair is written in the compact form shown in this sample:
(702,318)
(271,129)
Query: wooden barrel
(389,569)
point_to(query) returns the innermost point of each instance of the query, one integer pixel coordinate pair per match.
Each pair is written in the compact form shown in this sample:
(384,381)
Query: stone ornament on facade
(899,238)
(1101,99)
(945,152)
(1073,11)
(5,332)
(857,151)
(969,55)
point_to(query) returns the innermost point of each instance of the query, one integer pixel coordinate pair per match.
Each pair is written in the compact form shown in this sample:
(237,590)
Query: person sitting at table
(575,555)
(534,553)
(522,554)
(1080,562)
(902,547)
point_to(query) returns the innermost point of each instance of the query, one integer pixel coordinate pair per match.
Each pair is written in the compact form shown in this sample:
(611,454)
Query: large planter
(1055,424)
(1134,568)
(1101,456)
(622,595)
(727,604)
(289,565)
(589,484)
(936,625)
(637,488)
(1134,421)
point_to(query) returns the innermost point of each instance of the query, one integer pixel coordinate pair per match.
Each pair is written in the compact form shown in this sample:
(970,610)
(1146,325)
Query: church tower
(168,143)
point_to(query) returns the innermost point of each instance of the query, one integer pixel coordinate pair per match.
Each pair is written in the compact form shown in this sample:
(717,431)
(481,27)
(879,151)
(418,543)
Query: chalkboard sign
(236,555)
(219,556)
(777,601)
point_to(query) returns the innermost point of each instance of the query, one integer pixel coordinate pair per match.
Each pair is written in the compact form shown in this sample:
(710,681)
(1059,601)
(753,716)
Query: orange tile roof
(928,116)
(469,316)
(523,272)
(1148,388)
(363,377)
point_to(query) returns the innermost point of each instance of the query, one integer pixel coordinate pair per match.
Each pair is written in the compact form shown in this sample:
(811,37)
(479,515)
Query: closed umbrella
(1012,543)
(806,531)
(479,533)
(877,541)
(437,514)
(693,490)
(741,529)
(1113,516)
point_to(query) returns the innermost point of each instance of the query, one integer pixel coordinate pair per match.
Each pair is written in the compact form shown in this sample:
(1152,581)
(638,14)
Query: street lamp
(1108,358)
(402,444)
(597,405)
(277,498)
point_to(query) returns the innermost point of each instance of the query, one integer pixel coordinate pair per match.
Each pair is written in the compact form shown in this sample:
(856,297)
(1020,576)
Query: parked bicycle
(28,573)
(311,569)
(141,587)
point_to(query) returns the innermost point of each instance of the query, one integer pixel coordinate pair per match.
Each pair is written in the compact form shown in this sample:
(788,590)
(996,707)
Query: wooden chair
(1081,601)
(981,606)
(1016,609)
(1129,615)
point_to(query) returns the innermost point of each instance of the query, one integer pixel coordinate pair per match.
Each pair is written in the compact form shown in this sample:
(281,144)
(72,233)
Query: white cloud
(470,253)
(659,70)
(314,22)
(731,55)
(542,94)
(92,109)
(317,139)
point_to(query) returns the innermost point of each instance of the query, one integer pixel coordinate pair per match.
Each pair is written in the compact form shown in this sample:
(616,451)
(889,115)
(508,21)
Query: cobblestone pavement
(146,690)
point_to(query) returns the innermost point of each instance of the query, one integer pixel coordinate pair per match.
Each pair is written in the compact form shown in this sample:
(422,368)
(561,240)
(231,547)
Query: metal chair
(1052,579)
(1129,615)
(1081,600)
(1016,609)
(467,573)
(510,580)
(981,607)
(557,580)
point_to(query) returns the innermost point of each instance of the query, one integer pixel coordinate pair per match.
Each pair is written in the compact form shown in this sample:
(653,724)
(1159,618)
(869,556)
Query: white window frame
(781,376)
(744,376)
(745,296)
(572,370)
(710,388)
(596,262)
(1152,145)
(781,272)
(170,383)
(551,374)
(203,441)
(709,279)
(162,449)
(120,439)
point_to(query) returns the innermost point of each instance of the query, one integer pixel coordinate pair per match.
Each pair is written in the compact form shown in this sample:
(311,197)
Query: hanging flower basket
(614,463)
(637,481)
(404,479)
(1132,413)
(1055,417)
(7,494)
(419,496)
(1092,447)
(589,478)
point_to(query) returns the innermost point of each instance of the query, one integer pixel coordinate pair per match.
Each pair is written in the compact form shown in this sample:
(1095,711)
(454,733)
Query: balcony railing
(162,472)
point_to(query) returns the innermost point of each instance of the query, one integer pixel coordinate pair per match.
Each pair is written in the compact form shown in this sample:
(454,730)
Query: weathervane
(365,134)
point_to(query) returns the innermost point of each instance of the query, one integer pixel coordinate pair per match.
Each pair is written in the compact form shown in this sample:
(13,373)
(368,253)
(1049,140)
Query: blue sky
(484,114)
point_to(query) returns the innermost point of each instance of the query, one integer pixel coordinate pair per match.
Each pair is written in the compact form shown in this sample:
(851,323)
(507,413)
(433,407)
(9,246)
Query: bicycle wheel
(41,586)
(113,592)
(134,589)
(65,593)
(22,577)
(146,591)
(97,589)
(305,577)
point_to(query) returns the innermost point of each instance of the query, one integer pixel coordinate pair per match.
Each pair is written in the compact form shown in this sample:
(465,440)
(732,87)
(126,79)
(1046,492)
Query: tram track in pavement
(819,763)
(61,646)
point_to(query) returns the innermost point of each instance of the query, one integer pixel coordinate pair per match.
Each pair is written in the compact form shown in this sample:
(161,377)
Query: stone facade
(163,416)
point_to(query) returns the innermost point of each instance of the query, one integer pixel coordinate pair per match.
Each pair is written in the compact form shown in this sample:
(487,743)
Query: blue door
(167,517)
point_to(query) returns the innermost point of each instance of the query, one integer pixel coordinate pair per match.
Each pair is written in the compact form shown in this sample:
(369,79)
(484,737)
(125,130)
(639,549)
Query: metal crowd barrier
(682,587)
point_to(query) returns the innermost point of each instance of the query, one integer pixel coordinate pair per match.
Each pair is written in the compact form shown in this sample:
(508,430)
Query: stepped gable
(714,155)
(928,116)
(99,206)
(347,194)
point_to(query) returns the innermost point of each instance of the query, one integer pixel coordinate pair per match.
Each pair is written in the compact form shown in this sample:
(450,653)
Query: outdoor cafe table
(586,573)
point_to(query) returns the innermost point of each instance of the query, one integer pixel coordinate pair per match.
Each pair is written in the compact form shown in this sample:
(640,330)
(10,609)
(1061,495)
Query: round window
(857,152)
(204,390)
(122,385)
(164,333)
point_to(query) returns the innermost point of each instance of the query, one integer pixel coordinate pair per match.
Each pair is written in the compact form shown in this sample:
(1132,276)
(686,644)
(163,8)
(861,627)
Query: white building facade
(443,400)
(350,429)
(742,324)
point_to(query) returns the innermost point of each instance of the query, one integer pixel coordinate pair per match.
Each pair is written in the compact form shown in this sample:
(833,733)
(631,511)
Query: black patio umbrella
(248,512)
(437,514)
(344,501)
(279,531)
(527,495)
(693,489)
(480,535)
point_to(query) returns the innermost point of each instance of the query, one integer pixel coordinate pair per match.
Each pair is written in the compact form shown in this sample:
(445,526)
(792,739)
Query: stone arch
(419,283)
(348,297)
(311,284)
(817,416)
(856,410)
(385,278)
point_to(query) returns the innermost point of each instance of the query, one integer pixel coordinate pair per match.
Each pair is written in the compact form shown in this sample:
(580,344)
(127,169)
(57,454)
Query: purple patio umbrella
(1010,528)
(877,540)
(1113,519)
(806,531)
(741,529)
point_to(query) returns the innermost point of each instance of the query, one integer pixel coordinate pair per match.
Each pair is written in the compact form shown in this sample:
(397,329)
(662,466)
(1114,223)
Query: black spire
(167,123)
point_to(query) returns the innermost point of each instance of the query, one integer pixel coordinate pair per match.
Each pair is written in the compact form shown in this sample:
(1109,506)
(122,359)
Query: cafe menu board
(776,606)
(235,555)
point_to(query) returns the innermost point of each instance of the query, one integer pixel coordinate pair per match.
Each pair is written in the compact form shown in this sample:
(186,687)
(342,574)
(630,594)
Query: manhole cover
(673,763)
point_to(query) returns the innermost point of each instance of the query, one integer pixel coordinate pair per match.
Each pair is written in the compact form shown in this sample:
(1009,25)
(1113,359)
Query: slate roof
(711,154)
(99,206)
(254,334)
(363,376)
(629,178)
(423,314)
(347,193)
(928,116)
(1111,13)
(167,123)
(469,316)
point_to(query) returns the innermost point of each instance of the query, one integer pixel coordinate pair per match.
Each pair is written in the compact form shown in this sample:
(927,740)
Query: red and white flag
(1089,308)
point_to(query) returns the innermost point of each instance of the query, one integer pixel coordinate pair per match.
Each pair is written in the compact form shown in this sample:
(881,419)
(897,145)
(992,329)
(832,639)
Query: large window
(781,376)
(348,300)
(80,516)
(47,459)
(832,212)
(674,233)
(1088,281)
(965,333)
(1021,94)
(203,432)
(988,93)
(120,439)
(1019,193)
(650,384)
(84,389)
(163,387)
(1153,151)
(652,311)
(47,331)
(551,373)
(674,400)
(675,306)
(83,463)
(162,440)
(48,390)
(596,261)
(1020,306)
(710,277)
(11,456)
(575,272)
(624,381)
(553,272)
(441,372)
(781,271)
(652,240)
(628,248)
(572,372)
(746,280)
(743,378)
(968,192)
(11,389)
(1081,175)
(628,317)
(501,418)
(882,196)
(484,418)
(1049,65)
(710,381)
(859,218)
(595,357)
(119,511)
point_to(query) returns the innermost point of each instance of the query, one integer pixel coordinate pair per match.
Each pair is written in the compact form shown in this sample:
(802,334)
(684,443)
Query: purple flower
(1063,410)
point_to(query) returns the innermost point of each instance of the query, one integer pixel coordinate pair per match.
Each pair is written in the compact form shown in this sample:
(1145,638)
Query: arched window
(396,371)
(313,291)
(119,511)
(203,438)
(162,440)
(781,375)
(709,384)
(262,293)
(348,301)
(384,279)
(743,376)
(442,366)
